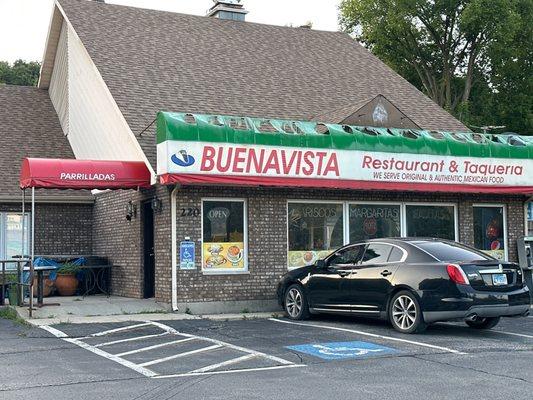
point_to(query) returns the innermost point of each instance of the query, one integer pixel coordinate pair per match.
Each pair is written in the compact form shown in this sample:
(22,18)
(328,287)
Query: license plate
(499,279)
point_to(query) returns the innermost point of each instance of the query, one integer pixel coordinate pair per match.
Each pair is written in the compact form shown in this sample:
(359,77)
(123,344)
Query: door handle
(386,273)
(346,272)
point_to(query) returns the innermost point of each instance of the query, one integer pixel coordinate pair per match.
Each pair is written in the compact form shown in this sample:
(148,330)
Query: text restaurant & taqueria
(256,196)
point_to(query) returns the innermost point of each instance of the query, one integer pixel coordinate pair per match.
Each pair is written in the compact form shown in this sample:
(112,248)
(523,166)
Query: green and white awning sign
(226,150)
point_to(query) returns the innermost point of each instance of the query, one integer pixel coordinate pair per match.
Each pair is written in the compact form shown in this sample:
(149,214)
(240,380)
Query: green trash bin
(13,298)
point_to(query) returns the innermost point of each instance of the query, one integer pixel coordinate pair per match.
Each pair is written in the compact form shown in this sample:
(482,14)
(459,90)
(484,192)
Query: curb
(146,317)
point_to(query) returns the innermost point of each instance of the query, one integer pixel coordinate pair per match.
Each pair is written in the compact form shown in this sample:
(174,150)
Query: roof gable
(154,60)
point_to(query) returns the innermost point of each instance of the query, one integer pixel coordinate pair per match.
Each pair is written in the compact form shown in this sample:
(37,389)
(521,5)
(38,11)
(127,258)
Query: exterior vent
(228,9)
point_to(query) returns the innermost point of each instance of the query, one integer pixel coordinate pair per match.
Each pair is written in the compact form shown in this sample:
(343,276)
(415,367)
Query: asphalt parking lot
(267,358)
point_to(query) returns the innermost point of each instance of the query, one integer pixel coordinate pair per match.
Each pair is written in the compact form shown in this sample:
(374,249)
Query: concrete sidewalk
(103,309)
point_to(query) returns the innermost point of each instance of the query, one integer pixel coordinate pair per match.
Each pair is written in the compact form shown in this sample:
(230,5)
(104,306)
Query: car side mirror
(321,264)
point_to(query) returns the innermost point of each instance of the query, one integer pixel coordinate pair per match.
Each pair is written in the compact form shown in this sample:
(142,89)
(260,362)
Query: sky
(24,23)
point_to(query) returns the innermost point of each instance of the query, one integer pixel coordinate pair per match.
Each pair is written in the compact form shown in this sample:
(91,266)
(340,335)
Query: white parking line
(179,355)
(133,339)
(514,334)
(112,357)
(432,346)
(124,328)
(232,371)
(141,368)
(54,331)
(229,345)
(156,346)
(224,364)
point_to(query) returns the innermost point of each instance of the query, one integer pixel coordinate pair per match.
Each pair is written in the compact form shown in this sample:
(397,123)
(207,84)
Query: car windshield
(451,252)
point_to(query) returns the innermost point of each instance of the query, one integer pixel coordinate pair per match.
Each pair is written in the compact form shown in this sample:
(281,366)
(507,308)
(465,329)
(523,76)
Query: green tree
(464,54)
(20,73)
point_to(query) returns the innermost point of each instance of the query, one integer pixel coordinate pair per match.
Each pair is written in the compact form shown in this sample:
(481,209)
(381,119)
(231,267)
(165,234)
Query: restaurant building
(268,147)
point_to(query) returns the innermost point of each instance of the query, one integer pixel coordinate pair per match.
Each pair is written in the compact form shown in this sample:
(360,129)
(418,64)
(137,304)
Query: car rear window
(396,255)
(376,253)
(451,252)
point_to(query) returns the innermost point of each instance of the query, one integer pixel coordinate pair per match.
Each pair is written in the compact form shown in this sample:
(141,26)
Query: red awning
(83,174)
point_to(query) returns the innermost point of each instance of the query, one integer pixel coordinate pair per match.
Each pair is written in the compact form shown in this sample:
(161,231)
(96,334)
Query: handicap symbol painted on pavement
(343,350)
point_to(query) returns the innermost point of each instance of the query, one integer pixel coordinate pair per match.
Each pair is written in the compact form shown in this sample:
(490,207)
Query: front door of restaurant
(148,250)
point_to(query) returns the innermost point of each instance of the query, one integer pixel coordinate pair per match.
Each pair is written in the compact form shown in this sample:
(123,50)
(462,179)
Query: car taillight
(457,274)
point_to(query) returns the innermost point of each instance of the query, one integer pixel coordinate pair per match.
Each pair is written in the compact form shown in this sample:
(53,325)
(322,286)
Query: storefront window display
(430,221)
(224,236)
(315,229)
(489,230)
(11,234)
(369,221)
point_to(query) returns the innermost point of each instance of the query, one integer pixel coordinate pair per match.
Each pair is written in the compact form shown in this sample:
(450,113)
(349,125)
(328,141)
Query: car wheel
(483,323)
(296,303)
(405,314)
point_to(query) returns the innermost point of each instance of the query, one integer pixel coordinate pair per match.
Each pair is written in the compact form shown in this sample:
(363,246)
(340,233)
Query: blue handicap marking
(343,350)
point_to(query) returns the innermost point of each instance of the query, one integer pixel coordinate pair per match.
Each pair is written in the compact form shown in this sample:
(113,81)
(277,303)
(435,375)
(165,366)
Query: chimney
(228,9)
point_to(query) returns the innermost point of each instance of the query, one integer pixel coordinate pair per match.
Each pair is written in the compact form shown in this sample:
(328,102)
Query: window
(430,221)
(396,255)
(315,229)
(489,230)
(451,252)
(11,234)
(369,221)
(231,15)
(224,241)
(376,253)
(348,256)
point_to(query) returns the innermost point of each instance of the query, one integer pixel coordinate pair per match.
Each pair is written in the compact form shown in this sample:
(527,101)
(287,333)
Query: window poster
(223,246)
(369,221)
(315,230)
(489,231)
(430,221)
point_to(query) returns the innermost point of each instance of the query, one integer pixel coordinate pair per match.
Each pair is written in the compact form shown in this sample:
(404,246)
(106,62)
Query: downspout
(174,249)
(526,230)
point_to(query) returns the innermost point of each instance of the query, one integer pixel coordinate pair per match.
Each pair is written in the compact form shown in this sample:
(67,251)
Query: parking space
(191,348)
(157,350)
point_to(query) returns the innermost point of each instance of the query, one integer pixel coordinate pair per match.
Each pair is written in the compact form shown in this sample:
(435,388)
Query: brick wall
(60,228)
(267,235)
(120,240)
(162,246)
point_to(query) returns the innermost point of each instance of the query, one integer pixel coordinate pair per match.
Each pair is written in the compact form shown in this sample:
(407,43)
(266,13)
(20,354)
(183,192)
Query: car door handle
(346,272)
(386,273)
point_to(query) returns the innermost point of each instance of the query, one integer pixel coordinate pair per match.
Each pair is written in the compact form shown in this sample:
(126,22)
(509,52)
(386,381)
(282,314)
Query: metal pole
(3,299)
(22,253)
(32,248)
(23,220)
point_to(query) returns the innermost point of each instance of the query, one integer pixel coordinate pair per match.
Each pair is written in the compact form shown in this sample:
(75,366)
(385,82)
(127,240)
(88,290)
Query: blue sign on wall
(187,255)
(343,350)
(530,212)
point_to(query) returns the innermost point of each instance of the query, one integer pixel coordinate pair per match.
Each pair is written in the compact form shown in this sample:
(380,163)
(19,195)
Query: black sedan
(412,282)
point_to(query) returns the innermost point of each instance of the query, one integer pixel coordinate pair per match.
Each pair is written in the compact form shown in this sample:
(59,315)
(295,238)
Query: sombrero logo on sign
(183,159)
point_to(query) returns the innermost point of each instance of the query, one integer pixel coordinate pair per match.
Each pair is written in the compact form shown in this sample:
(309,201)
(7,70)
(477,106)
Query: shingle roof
(29,127)
(340,114)
(155,60)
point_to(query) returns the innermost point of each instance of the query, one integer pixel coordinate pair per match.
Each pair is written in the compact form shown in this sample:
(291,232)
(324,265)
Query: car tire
(295,303)
(483,323)
(405,313)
